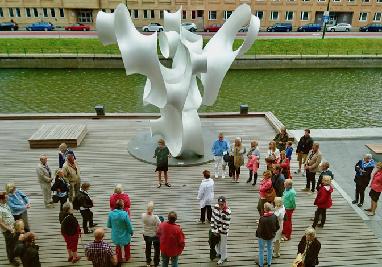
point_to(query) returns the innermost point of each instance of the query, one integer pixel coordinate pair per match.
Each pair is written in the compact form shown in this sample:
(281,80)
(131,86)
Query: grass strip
(340,46)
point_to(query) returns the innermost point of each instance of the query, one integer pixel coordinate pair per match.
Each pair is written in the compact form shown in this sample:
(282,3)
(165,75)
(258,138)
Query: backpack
(76,202)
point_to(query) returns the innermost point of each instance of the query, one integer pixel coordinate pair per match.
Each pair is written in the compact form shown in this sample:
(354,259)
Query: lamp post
(326,19)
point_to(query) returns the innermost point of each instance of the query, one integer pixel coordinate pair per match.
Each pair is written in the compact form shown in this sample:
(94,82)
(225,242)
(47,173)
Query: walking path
(104,161)
(342,148)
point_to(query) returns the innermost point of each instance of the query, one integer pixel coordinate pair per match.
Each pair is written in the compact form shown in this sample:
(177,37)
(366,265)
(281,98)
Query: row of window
(33,12)
(152,14)
(352,1)
(289,15)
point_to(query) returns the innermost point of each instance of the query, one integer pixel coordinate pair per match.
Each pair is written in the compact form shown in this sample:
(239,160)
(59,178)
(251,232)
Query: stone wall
(246,62)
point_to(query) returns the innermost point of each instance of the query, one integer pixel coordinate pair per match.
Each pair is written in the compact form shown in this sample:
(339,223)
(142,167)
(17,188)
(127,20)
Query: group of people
(276,204)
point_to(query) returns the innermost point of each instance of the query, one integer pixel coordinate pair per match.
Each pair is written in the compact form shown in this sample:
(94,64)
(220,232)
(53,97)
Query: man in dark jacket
(86,203)
(309,247)
(266,231)
(363,169)
(278,180)
(303,147)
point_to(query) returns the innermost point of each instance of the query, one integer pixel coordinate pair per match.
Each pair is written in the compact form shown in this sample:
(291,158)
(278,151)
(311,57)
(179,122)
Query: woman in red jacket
(323,201)
(285,165)
(119,194)
(264,187)
(172,240)
(376,188)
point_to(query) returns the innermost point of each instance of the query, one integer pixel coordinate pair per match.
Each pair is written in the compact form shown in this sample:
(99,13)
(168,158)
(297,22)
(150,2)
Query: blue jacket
(121,228)
(17,202)
(288,152)
(219,147)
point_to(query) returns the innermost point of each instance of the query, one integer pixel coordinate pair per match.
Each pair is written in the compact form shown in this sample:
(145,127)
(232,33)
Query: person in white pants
(220,148)
(220,222)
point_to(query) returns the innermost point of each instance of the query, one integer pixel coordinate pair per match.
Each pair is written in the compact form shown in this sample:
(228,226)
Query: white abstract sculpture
(175,90)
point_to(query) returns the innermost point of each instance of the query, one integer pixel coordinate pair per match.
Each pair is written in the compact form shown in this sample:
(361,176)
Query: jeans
(319,212)
(207,209)
(261,252)
(166,259)
(152,240)
(310,178)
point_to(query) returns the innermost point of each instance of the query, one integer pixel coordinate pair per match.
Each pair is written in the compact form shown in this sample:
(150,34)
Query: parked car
(77,27)
(9,26)
(40,26)
(374,27)
(212,28)
(310,27)
(189,26)
(280,27)
(153,27)
(340,27)
(244,29)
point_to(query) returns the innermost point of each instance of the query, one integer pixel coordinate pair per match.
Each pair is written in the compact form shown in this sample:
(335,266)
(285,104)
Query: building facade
(202,12)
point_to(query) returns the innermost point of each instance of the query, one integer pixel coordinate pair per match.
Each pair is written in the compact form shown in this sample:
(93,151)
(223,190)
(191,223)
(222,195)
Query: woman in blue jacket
(18,202)
(121,230)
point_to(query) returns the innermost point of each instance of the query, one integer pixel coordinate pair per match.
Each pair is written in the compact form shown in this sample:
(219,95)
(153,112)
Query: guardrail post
(77,51)
(7,51)
(42,50)
(25,51)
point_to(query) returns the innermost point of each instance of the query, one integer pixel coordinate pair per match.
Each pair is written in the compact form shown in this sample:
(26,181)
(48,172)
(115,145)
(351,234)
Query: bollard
(100,110)
(243,109)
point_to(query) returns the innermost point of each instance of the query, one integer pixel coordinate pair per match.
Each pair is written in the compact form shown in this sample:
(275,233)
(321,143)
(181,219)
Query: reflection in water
(314,98)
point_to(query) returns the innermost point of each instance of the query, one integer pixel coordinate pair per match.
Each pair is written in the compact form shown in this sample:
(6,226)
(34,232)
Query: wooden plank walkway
(53,134)
(104,161)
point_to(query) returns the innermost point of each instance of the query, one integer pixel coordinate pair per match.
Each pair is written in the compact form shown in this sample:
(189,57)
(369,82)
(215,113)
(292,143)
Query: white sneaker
(221,261)
(223,176)
(216,176)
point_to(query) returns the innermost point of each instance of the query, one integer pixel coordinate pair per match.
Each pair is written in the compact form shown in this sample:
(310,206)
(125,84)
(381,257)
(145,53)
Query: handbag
(297,262)
(270,195)
(226,157)
(55,199)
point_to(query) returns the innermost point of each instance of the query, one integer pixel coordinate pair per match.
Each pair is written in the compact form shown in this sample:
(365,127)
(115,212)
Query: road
(262,35)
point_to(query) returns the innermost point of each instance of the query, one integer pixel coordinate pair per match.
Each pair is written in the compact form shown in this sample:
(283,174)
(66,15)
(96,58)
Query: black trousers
(310,178)
(152,241)
(10,243)
(254,175)
(207,209)
(319,212)
(87,217)
(213,240)
(63,200)
(359,193)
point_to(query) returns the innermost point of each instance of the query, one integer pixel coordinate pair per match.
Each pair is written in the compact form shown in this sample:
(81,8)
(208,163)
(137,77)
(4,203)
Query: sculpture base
(142,147)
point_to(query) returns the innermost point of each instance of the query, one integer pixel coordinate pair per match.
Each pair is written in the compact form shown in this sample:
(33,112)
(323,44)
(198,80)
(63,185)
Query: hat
(221,199)
(2,195)
(70,152)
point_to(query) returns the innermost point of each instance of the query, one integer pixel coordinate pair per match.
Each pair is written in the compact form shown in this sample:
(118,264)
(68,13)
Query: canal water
(314,98)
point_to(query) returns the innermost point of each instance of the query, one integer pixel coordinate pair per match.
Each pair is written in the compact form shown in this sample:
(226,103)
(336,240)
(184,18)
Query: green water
(320,98)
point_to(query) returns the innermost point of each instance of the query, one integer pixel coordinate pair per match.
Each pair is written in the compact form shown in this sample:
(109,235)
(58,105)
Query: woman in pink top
(264,186)
(376,188)
(119,194)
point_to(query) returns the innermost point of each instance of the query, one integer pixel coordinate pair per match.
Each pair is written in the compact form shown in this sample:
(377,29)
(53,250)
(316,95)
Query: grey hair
(368,156)
(267,207)
(43,156)
(310,231)
(289,182)
(67,207)
(150,205)
(118,189)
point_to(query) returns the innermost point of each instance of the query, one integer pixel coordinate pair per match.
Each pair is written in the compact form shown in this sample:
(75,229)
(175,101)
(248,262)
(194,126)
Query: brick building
(201,12)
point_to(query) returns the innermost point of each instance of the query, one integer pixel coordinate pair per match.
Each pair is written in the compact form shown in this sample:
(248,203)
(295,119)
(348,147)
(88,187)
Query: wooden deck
(104,161)
(52,135)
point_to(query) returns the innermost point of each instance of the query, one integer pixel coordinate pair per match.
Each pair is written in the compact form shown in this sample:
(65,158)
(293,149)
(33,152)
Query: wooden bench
(376,150)
(52,135)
